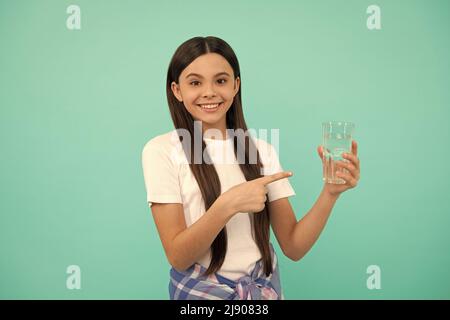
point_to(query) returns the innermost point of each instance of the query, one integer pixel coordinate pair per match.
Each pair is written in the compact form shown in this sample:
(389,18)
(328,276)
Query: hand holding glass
(337,139)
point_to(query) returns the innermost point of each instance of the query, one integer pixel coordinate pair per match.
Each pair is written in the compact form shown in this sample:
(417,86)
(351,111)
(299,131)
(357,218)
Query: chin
(211,120)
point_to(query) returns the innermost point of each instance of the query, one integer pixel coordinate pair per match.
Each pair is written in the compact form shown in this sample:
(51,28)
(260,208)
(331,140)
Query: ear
(176,91)
(237,83)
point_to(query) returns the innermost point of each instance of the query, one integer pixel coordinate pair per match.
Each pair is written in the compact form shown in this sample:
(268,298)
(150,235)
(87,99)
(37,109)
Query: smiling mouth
(210,107)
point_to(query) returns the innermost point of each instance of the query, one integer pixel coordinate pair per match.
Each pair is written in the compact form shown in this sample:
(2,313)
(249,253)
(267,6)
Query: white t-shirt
(168,179)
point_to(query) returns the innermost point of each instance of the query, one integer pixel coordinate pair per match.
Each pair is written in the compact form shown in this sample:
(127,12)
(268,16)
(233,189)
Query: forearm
(193,242)
(308,229)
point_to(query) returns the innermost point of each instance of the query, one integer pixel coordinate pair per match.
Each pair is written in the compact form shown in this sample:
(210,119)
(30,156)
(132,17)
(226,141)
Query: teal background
(77,108)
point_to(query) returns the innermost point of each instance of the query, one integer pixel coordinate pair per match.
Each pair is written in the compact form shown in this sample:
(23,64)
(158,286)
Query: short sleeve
(278,189)
(160,175)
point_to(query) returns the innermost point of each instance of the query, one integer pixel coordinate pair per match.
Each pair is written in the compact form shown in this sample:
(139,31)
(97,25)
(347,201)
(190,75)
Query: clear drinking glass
(337,139)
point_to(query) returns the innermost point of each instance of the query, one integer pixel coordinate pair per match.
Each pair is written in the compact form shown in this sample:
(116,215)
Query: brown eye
(194,83)
(224,80)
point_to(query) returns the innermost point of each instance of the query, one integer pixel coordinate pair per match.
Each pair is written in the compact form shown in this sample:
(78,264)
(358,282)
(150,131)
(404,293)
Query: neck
(221,126)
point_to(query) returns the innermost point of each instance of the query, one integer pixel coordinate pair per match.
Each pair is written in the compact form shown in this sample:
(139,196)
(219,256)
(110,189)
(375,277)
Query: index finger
(274,177)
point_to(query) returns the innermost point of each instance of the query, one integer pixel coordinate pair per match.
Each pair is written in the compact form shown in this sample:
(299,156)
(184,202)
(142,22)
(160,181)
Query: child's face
(212,84)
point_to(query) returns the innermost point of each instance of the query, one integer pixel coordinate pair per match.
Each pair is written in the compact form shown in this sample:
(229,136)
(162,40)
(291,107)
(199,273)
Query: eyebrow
(199,76)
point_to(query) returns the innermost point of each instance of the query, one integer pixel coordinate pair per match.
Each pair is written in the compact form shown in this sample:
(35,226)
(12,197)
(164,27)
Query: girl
(214,217)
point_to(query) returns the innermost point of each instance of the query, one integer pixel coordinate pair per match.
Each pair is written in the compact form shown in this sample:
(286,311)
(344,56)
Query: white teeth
(209,106)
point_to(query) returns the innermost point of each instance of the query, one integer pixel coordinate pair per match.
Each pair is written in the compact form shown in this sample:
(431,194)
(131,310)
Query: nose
(209,91)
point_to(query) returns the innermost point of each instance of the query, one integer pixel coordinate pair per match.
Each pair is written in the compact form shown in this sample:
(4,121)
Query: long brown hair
(206,174)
